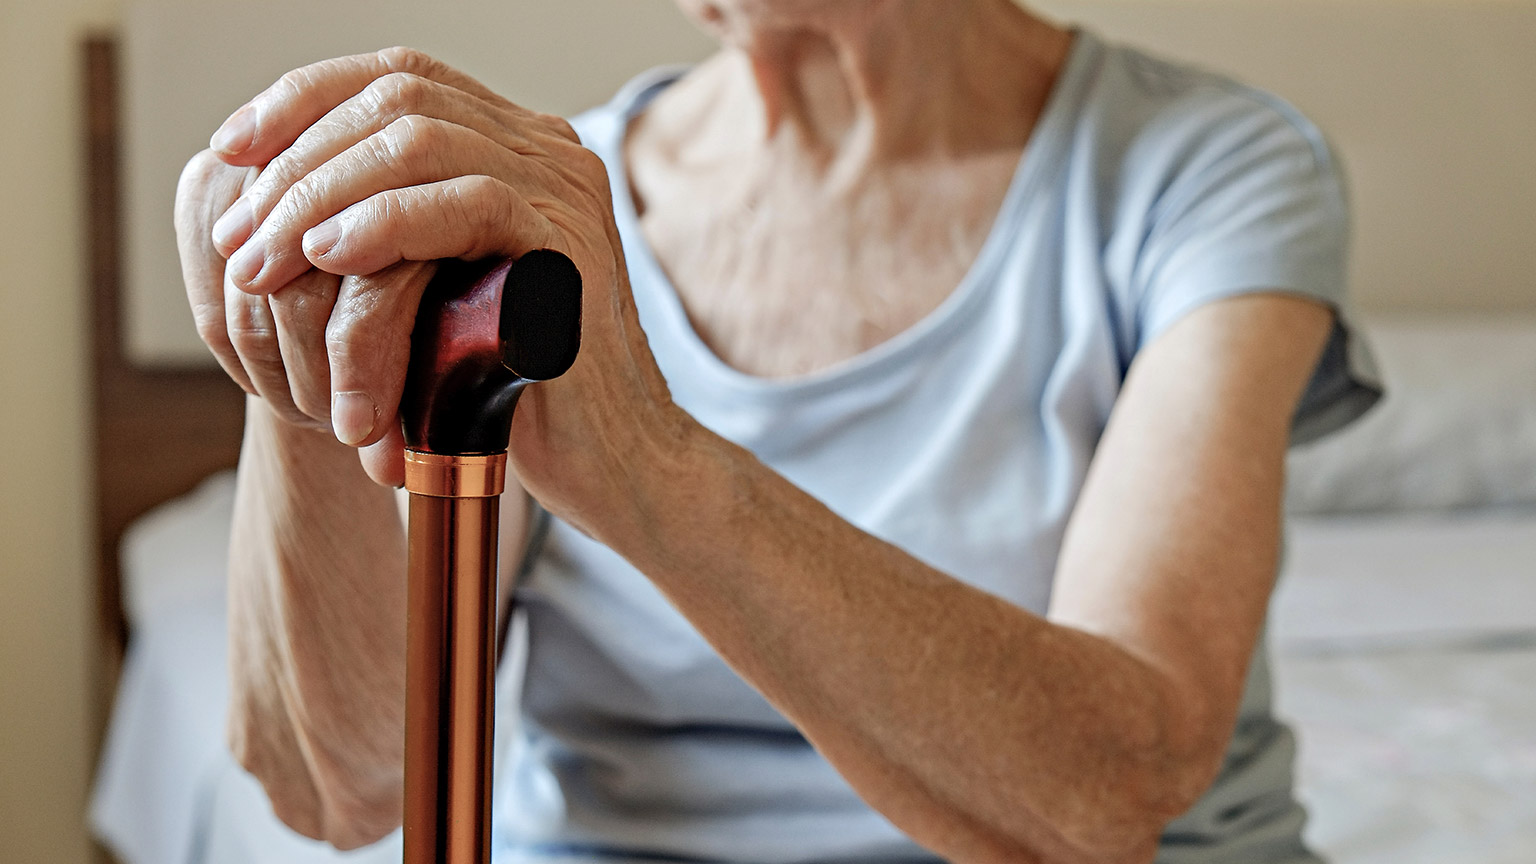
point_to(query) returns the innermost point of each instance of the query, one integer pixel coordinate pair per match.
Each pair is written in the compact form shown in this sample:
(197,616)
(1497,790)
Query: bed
(1404,627)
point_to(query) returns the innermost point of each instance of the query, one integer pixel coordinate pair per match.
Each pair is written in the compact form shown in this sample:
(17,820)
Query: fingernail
(352,417)
(247,262)
(235,226)
(321,239)
(237,133)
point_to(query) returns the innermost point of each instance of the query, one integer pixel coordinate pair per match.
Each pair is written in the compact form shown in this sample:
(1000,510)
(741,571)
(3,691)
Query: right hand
(270,344)
(407,161)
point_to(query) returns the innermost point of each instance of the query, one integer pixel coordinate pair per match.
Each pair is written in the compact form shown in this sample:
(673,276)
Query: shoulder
(1200,188)
(1155,119)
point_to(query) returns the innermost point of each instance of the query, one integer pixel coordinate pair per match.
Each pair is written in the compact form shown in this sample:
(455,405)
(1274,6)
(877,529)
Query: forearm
(317,623)
(984,731)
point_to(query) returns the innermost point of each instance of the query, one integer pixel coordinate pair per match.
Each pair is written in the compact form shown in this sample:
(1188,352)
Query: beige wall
(561,56)
(44,562)
(1428,103)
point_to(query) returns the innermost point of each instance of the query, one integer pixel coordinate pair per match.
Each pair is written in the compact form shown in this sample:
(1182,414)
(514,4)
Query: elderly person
(932,514)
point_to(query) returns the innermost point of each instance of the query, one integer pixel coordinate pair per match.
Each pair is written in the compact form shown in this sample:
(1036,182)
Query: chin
(725,18)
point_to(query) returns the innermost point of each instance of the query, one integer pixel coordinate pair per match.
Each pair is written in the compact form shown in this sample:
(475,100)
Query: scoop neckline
(949,315)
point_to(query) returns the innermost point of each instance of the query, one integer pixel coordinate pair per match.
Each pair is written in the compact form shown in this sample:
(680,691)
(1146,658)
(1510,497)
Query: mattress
(1404,645)
(1370,583)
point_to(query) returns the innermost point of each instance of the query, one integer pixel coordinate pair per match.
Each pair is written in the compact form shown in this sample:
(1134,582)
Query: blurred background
(1406,626)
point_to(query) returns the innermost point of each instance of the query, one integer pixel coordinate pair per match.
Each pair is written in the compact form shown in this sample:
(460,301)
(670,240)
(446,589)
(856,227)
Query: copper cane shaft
(450,663)
(484,331)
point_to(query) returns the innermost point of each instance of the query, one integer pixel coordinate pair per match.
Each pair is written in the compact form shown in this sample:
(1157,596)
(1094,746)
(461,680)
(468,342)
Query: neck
(843,84)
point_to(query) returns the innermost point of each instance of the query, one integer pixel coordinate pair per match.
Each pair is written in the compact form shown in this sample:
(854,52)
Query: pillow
(1456,429)
(176,556)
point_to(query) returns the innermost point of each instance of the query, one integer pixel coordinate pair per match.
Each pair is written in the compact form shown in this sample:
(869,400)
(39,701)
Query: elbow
(1146,776)
(310,794)
(1125,821)
(1111,836)
(1121,836)
(1112,841)
(1118,820)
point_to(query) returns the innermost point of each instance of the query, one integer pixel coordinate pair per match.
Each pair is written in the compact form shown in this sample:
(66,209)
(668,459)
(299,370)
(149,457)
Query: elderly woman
(935,509)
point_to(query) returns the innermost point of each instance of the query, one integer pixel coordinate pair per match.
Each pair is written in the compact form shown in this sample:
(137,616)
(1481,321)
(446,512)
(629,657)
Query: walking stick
(485,331)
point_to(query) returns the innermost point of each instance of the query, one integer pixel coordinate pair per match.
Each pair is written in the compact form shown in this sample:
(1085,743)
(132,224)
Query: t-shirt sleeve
(1255,204)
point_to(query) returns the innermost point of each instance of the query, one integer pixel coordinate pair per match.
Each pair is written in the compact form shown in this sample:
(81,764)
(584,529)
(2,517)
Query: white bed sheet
(1416,756)
(165,745)
(1404,654)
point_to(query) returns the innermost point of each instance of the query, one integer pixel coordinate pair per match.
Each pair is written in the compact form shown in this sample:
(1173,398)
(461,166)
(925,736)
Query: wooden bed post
(158,431)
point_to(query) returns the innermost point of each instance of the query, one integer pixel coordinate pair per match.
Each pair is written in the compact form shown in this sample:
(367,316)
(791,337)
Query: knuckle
(294,83)
(280,175)
(587,175)
(386,215)
(211,326)
(197,187)
(357,336)
(200,169)
(407,136)
(590,167)
(402,58)
(256,343)
(299,85)
(481,201)
(340,342)
(289,413)
(395,93)
(310,406)
(300,200)
(560,126)
(475,189)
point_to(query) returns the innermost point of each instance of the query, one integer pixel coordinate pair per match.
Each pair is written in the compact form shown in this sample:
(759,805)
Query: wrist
(298,455)
(675,479)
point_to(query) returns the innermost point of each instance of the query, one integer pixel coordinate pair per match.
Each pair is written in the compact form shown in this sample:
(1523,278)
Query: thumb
(384,459)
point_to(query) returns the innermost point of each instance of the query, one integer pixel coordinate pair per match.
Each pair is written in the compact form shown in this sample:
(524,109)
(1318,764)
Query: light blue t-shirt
(1147,190)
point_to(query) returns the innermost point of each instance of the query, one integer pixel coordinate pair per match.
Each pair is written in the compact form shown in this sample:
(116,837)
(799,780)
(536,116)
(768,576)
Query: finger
(465,217)
(253,333)
(411,151)
(270,123)
(368,342)
(301,312)
(205,187)
(384,460)
(382,102)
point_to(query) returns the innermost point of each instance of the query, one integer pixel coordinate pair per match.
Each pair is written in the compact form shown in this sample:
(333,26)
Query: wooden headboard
(158,432)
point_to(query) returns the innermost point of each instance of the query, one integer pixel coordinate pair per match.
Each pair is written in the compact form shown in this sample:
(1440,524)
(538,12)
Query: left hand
(376,159)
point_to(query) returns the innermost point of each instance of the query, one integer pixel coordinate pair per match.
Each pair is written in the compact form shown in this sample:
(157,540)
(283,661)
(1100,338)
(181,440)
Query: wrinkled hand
(338,186)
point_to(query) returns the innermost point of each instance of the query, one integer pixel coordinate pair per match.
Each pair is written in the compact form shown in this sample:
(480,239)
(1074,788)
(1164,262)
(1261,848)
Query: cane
(485,331)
